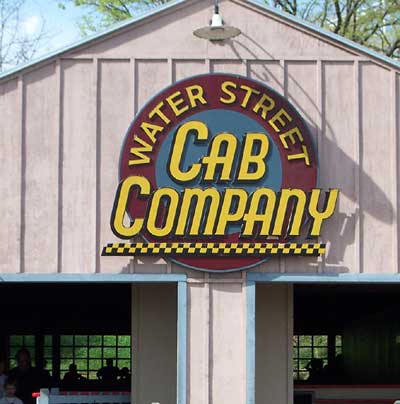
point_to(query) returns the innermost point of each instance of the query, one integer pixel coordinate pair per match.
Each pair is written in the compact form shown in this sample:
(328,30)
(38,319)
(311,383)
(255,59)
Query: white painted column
(217,339)
(227,343)
(154,340)
(274,331)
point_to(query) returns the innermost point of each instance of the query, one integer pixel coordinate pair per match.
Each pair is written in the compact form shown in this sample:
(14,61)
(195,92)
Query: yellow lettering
(320,216)
(264,108)
(278,118)
(174,103)
(264,218)
(289,135)
(178,148)
(172,198)
(150,129)
(251,160)
(232,210)
(195,93)
(299,156)
(119,209)
(225,89)
(214,158)
(249,92)
(200,196)
(297,217)
(139,152)
(157,112)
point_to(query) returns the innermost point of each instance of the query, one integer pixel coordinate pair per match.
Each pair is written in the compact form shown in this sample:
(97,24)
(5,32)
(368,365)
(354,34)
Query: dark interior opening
(346,334)
(64,324)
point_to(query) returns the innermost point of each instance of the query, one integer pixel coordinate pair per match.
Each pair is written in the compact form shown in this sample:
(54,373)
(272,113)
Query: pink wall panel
(377,170)
(11,110)
(79,166)
(42,92)
(303,91)
(116,110)
(338,152)
(187,68)
(63,171)
(151,76)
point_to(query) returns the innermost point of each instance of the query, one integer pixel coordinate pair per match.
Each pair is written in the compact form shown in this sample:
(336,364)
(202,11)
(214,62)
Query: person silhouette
(315,370)
(124,380)
(335,371)
(108,374)
(9,393)
(28,379)
(72,378)
(3,378)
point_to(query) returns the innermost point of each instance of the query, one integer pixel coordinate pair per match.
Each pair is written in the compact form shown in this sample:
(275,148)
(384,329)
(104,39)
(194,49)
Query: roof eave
(92,38)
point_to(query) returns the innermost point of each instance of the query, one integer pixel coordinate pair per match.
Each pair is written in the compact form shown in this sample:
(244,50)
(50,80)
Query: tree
(373,23)
(17,45)
(103,13)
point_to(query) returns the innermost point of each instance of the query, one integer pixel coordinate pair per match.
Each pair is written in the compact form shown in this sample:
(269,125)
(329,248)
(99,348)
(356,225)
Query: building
(201,337)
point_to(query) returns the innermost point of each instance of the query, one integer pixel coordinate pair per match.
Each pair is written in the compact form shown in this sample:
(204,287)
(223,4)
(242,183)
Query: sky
(61,25)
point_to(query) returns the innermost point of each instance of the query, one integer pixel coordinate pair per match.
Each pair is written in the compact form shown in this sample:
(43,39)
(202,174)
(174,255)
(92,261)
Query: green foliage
(89,352)
(373,23)
(103,13)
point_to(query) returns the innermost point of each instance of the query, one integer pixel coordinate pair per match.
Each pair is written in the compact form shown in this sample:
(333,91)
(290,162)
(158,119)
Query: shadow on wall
(344,224)
(342,228)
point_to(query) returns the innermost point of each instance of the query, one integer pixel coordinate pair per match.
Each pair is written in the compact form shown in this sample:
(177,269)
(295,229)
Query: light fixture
(217,31)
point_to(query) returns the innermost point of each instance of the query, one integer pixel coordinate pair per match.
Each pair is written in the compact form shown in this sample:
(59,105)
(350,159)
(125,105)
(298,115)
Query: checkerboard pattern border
(214,249)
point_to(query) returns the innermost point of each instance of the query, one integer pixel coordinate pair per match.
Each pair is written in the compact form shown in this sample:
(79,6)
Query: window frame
(297,359)
(87,371)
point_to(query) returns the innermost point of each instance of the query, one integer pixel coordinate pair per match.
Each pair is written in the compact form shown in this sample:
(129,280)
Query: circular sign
(214,133)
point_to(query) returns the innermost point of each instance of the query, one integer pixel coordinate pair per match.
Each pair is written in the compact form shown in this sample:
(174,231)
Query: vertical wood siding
(274,343)
(272,73)
(115,106)
(68,119)
(351,108)
(301,89)
(63,125)
(186,68)
(79,153)
(199,343)
(11,104)
(61,132)
(227,333)
(376,170)
(41,170)
(339,154)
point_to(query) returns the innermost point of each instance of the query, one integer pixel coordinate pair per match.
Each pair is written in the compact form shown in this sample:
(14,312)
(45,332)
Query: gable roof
(324,34)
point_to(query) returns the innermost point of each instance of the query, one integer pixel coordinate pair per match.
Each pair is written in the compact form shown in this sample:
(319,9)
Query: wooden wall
(62,126)
(63,123)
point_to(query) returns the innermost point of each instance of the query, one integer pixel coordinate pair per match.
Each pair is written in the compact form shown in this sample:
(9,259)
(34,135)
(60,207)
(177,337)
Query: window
(16,342)
(48,353)
(89,352)
(307,347)
(338,345)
